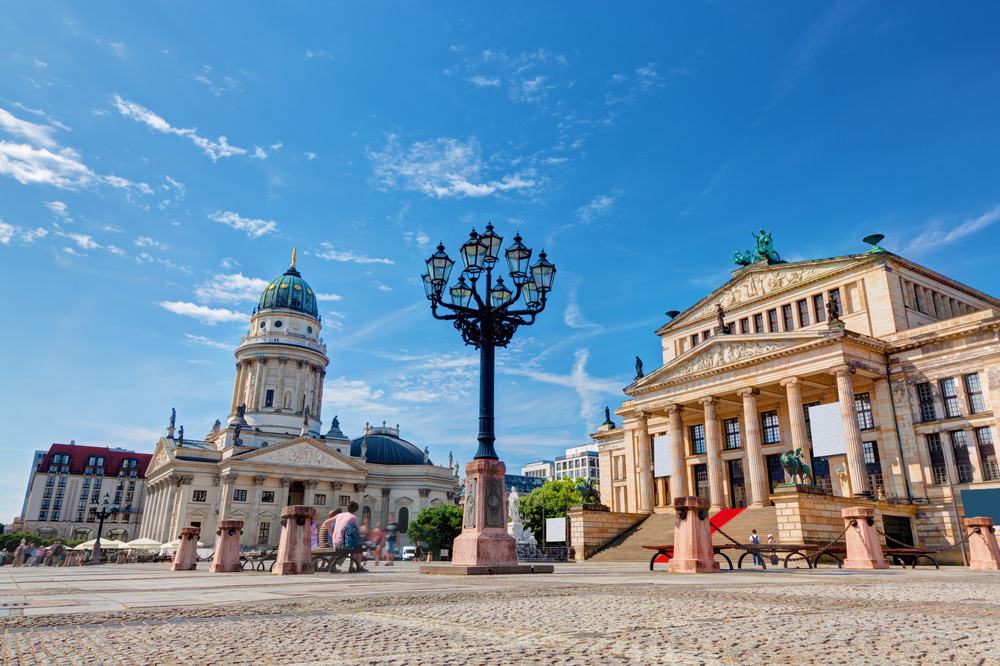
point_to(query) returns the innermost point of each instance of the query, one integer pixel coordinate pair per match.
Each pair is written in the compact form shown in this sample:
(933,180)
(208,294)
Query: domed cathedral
(270,453)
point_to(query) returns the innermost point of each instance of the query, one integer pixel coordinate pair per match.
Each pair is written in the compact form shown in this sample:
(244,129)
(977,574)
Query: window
(705,335)
(403,519)
(758,323)
(805,408)
(975,391)
(698,439)
(770,428)
(962,458)
(240,495)
(921,305)
(319,498)
(939,469)
(267,496)
(873,465)
(694,340)
(264,533)
(199,496)
(863,409)
(949,396)
(345,500)
(772,320)
(786,316)
(269,398)
(925,396)
(988,454)
(732,429)
(745,325)
(803,308)
(834,296)
(819,308)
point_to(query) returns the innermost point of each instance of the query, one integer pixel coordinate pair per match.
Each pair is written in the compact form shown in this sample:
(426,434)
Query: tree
(436,527)
(558,495)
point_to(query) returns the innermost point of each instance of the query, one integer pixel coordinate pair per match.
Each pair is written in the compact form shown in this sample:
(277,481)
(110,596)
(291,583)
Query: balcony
(294,339)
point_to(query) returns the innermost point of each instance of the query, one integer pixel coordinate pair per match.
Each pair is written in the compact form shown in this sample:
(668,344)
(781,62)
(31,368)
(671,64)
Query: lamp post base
(484,540)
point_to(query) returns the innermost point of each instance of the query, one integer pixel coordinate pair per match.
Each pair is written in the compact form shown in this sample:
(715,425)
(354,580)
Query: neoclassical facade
(910,358)
(270,452)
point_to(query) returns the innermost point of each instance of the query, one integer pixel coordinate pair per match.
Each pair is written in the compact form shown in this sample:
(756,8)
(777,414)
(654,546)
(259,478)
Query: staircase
(658,529)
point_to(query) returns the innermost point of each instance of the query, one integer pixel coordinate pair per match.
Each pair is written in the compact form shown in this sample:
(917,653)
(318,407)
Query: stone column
(279,391)
(299,398)
(286,484)
(253,522)
(258,382)
(693,552)
(678,477)
(889,444)
(713,449)
(147,512)
(168,511)
(184,492)
(310,493)
(186,555)
(797,418)
(162,526)
(644,464)
(852,436)
(319,400)
(384,509)
(631,487)
(759,495)
(225,502)
(864,550)
(236,387)
(295,542)
(317,384)
(227,547)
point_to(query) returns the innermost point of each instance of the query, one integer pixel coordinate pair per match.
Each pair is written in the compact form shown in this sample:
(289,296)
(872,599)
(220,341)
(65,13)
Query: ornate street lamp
(102,512)
(487,312)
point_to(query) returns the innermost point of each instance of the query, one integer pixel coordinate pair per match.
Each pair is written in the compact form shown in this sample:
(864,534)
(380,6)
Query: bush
(436,527)
(558,495)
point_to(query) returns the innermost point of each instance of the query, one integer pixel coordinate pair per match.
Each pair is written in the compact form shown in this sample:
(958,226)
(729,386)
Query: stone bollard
(693,552)
(864,550)
(984,553)
(186,557)
(295,545)
(227,547)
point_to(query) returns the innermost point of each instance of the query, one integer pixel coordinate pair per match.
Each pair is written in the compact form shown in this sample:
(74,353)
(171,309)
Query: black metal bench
(329,560)
(668,551)
(259,561)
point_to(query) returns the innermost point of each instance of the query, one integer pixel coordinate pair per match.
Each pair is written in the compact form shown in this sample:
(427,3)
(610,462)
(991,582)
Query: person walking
(391,538)
(377,536)
(755,540)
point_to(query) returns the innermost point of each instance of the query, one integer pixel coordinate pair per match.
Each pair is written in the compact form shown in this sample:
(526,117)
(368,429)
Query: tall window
(732,427)
(975,391)
(772,320)
(770,428)
(403,519)
(803,308)
(863,408)
(745,325)
(949,396)
(963,460)
(835,297)
(873,465)
(240,495)
(694,340)
(319,498)
(805,408)
(925,396)
(758,323)
(705,335)
(819,308)
(786,316)
(939,469)
(987,454)
(698,439)
(269,398)
(264,533)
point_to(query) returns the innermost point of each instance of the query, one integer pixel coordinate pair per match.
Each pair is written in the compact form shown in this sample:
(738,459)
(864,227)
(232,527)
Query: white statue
(513,512)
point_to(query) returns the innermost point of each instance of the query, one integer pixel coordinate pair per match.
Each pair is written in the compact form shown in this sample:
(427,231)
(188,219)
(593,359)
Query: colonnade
(249,387)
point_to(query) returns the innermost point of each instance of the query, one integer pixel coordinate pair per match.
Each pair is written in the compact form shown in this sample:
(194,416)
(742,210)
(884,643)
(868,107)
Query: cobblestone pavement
(582,614)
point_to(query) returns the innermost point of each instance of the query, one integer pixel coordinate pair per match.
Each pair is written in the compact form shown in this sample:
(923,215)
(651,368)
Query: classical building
(889,370)
(270,452)
(68,479)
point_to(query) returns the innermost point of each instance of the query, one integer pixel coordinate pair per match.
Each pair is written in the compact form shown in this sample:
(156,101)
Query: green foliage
(558,495)
(13,540)
(436,527)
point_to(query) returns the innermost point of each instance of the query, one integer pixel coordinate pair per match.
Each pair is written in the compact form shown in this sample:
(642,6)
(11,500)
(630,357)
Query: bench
(259,561)
(668,551)
(329,559)
(900,556)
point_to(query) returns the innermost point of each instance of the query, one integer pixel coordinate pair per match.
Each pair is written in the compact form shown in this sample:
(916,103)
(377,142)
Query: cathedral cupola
(289,291)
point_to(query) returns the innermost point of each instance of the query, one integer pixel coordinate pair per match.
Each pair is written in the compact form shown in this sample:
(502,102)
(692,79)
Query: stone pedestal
(484,540)
(295,544)
(864,550)
(693,551)
(227,547)
(984,553)
(186,555)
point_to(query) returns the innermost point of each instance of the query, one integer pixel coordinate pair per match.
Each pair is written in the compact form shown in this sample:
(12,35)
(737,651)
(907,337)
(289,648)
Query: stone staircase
(658,529)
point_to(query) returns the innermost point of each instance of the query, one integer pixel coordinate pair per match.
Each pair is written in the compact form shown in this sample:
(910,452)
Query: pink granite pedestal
(864,550)
(984,553)
(227,547)
(693,552)
(186,555)
(295,545)
(484,546)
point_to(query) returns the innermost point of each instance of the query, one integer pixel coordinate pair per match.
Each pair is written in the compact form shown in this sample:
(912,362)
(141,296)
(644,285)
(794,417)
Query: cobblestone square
(581,614)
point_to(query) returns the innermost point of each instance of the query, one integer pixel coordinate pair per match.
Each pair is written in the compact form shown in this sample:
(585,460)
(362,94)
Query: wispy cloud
(940,233)
(328,252)
(206,342)
(313,54)
(230,288)
(59,208)
(328,298)
(10,232)
(443,168)
(252,227)
(40,135)
(595,208)
(215,150)
(528,77)
(204,314)
(355,395)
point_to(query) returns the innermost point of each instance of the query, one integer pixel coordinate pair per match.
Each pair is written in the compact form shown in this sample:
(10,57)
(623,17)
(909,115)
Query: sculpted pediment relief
(718,353)
(160,458)
(300,454)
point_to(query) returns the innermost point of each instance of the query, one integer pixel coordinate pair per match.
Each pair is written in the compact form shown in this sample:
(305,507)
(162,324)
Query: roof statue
(293,257)
(720,314)
(173,417)
(427,455)
(638,368)
(451,460)
(832,310)
(180,436)
(763,251)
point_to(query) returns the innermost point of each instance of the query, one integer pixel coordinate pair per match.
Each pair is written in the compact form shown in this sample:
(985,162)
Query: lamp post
(487,312)
(102,512)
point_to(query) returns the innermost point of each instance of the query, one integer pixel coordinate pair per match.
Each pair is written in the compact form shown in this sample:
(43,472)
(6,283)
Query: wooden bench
(329,559)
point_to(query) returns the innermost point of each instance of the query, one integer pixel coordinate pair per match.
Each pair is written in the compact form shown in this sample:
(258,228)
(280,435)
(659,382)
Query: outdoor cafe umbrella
(143,544)
(105,544)
(176,543)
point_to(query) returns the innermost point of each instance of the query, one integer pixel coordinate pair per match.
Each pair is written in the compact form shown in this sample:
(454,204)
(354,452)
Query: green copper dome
(289,291)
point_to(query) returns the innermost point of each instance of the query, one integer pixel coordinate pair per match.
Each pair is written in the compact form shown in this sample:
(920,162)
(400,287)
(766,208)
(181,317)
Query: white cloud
(312,54)
(355,395)
(206,342)
(328,252)
(230,288)
(40,166)
(31,235)
(418,238)
(215,150)
(252,227)
(528,77)
(938,234)
(229,263)
(206,315)
(117,48)
(9,232)
(6,232)
(311,155)
(146,241)
(114,249)
(277,146)
(382,287)
(58,207)
(40,135)
(323,298)
(595,208)
(441,168)
(484,82)
(83,241)
(259,153)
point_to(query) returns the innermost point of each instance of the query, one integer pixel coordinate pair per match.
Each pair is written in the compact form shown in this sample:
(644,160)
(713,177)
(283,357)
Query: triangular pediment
(759,281)
(161,457)
(303,452)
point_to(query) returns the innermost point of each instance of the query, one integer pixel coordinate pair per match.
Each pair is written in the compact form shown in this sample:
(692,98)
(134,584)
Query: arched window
(403,519)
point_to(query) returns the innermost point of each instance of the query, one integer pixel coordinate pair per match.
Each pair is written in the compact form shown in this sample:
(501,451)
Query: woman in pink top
(341,522)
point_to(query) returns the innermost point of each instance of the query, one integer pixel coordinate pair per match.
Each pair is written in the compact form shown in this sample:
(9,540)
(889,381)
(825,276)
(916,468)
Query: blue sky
(159,161)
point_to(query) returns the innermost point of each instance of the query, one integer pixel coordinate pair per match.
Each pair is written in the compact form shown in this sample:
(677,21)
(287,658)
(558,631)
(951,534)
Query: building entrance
(737,485)
(296,493)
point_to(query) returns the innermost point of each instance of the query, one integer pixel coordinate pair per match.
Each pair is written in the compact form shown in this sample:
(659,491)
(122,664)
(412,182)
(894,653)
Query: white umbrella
(176,543)
(105,544)
(143,544)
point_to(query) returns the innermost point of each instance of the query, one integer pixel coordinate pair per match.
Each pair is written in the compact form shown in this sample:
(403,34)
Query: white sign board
(662,464)
(555,530)
(827,430)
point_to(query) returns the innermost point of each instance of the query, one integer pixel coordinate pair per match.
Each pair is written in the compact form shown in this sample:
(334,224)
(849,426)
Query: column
(977,461)
(644,464)
(257,382)
(759,495)
(225,501)
(713,449)
(678,475)
(310,494)
(299,388)
(317,383)
(253,521)
(236,387)
(184,493)
(797,418)
(319,400)
(852,436)
(153,525)
(159,523)
(168,511)
(286,484)
(631,491)
(889,442)
(279,391)
(147,511)
(384,509)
